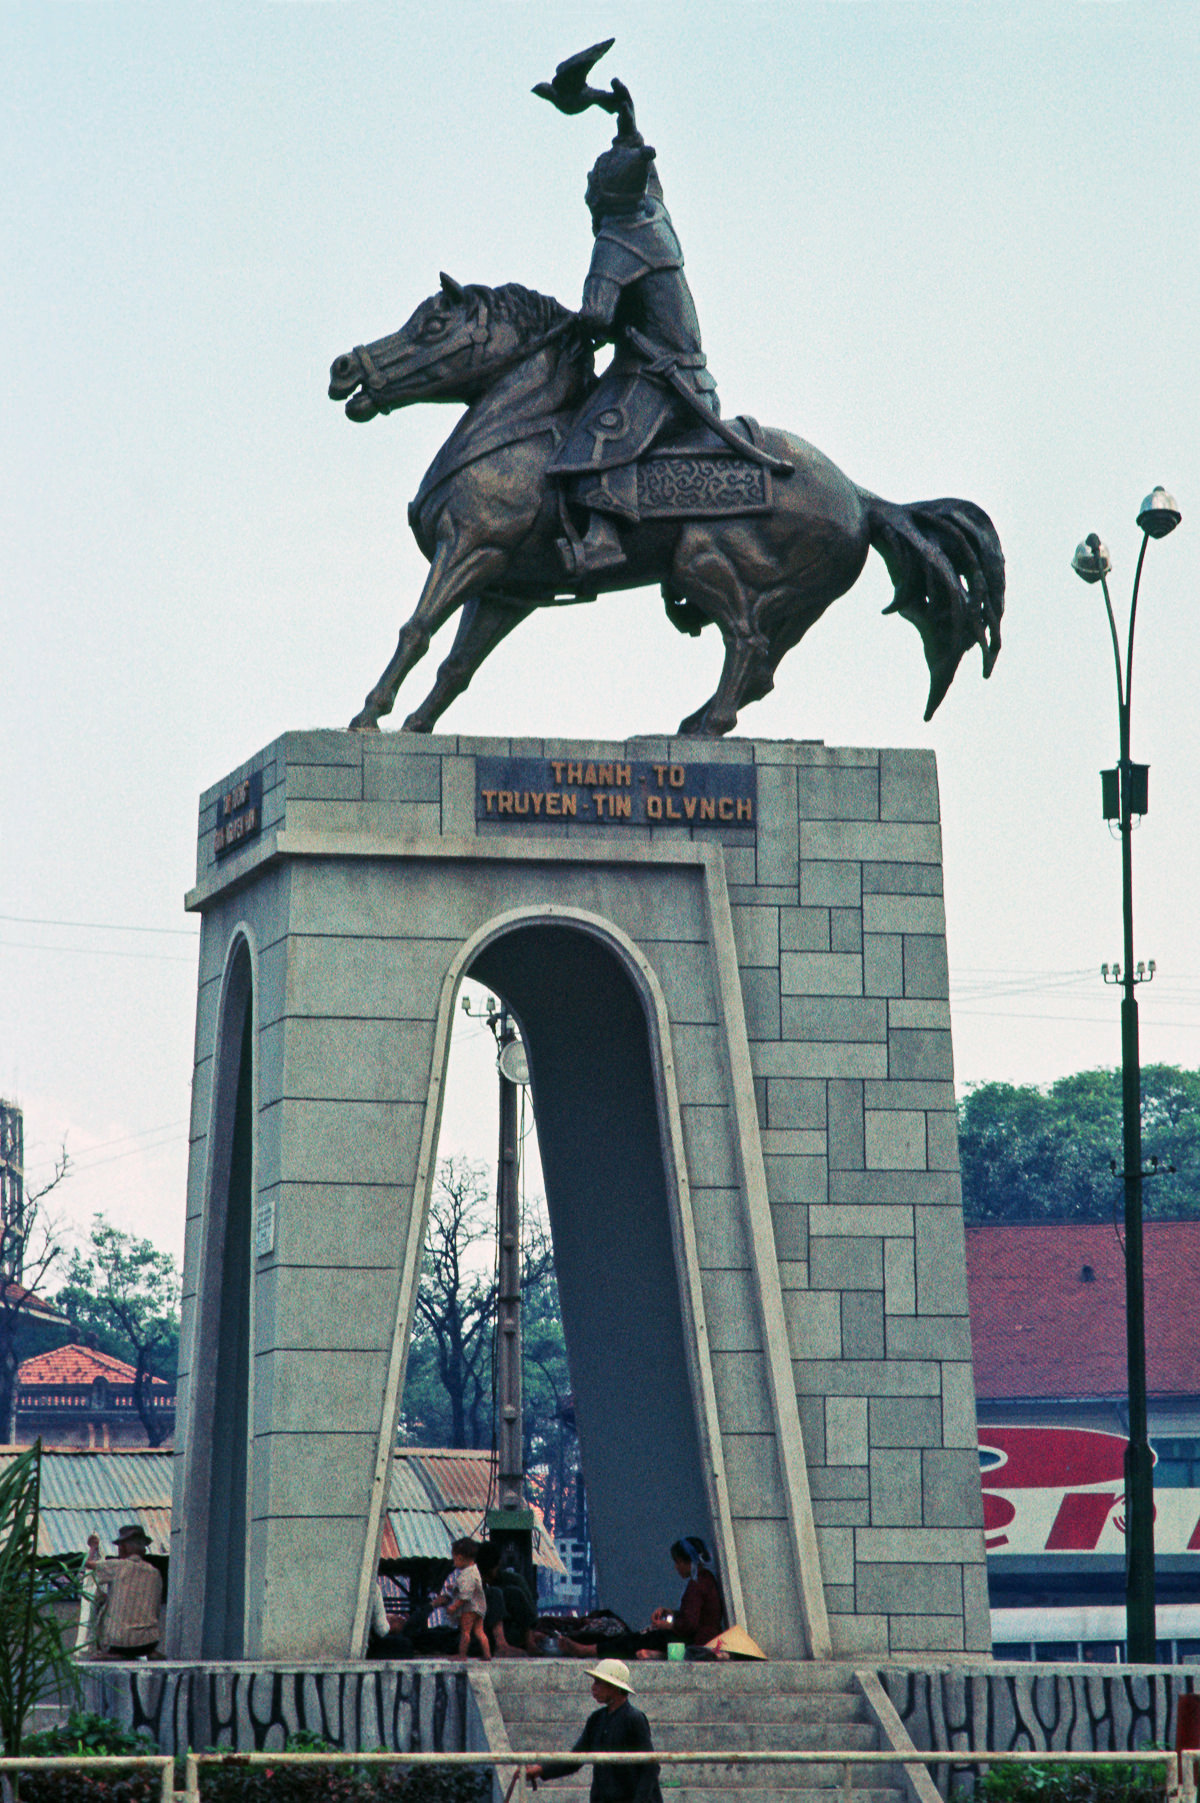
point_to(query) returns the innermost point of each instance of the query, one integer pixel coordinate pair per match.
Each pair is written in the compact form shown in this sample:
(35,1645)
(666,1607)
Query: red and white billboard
(1062,1490)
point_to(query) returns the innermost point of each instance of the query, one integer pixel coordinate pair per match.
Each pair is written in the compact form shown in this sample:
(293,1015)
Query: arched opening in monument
(223,1348)
(597,1106)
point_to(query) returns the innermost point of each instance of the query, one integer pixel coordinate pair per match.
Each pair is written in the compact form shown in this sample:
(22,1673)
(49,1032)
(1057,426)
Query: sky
(955,246)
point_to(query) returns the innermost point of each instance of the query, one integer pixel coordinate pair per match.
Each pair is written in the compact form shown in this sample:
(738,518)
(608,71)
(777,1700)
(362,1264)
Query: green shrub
(88,1735)
(233,1781)
(1105,1781)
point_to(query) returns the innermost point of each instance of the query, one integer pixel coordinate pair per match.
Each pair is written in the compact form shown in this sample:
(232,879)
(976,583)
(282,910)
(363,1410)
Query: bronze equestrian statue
(557,485)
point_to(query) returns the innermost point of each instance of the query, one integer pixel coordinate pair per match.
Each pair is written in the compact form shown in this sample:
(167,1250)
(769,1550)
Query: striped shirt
(132,1595)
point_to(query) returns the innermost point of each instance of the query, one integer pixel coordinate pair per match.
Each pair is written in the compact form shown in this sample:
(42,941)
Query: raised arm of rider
(600,297)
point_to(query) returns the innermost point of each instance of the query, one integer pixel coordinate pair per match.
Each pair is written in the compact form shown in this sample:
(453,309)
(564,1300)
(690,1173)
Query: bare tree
(448,1392)
(28,1248)
(456,1300)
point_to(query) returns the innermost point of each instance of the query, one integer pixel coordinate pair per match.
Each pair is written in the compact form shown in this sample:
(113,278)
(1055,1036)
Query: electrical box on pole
(1136,779)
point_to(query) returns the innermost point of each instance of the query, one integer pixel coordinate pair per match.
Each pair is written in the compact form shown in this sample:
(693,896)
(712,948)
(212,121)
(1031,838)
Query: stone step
(683,1791)
(651,1676)
(682,1736)
(719,1775)
(818,1709)
(710,1775)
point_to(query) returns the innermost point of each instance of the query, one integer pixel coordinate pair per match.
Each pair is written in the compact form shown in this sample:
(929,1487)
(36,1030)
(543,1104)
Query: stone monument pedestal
(728,964)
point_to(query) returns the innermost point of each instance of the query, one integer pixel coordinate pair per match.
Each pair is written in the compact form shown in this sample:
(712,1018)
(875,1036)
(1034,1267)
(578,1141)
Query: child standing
(463,1598)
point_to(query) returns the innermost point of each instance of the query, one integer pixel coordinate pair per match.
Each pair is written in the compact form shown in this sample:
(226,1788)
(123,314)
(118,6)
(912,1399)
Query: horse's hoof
(704,726)
(365,721)
(416,723)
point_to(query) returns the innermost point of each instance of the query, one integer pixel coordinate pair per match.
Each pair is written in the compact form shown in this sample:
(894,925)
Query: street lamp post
(1126,793)
(511,1523)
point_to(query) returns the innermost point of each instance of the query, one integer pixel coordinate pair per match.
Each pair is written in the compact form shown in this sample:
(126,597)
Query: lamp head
(1159,514)
(1091,561)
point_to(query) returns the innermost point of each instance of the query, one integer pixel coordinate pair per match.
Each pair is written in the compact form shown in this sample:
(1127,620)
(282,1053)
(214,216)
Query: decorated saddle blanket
(700,477)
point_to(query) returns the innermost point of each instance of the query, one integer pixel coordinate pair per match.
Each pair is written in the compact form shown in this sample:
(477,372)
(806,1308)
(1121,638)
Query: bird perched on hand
(569,91)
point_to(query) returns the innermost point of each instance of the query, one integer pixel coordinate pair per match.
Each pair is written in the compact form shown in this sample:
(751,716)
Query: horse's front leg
(460,567)
(482,624)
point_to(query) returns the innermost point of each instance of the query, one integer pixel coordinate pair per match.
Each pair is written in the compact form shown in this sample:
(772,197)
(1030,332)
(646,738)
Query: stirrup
(578,562)
(598,550)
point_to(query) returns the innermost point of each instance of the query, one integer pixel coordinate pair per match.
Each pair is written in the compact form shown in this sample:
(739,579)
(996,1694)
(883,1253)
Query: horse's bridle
(477,333)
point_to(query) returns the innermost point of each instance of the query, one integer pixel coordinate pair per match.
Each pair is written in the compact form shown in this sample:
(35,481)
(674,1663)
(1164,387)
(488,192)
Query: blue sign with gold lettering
(239,815)
(615,792)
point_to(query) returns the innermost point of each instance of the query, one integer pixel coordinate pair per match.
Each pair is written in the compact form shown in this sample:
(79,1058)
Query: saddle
(697,475)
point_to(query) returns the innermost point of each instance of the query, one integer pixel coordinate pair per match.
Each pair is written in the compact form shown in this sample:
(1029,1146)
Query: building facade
(78,1396)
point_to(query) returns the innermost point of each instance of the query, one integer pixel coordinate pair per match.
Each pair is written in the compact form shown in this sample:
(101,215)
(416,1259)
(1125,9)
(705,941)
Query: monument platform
(438,1706)
(728,963)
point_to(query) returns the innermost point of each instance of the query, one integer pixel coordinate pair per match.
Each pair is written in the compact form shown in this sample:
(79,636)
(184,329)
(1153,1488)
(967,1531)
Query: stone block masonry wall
(842,950)
(835,895)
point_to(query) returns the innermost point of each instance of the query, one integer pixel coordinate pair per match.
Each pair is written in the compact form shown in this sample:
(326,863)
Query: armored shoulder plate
(627,248)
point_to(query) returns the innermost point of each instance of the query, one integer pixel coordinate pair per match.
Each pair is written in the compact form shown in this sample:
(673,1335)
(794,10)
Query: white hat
(612,1671)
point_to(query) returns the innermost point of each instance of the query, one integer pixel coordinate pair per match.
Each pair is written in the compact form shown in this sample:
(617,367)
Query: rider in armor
(637,297)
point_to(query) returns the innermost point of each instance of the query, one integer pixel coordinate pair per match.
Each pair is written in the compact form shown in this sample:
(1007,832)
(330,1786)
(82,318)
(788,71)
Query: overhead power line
(87,951)
(100,926)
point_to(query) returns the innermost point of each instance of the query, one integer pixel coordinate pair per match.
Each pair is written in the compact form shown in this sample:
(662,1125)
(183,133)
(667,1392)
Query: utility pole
(511,1472)
(510,1524)
(12,1193)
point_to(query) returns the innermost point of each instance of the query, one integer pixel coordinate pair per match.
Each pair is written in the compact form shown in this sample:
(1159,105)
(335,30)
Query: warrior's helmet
(617,180)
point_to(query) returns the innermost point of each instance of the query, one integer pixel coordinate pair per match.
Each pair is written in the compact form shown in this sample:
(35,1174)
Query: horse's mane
(530,312)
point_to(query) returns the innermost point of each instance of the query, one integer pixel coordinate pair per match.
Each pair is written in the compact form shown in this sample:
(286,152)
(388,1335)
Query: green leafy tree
(33,1658)
(551,1442)
(1047,1154)
(126,1292)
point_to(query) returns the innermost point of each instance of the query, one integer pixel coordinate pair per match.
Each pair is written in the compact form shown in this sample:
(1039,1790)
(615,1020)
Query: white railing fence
(1181,1784)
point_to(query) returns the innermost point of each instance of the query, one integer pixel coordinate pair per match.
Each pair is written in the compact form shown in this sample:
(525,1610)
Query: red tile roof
(1041,1327)
(17,1296)
(76,1365)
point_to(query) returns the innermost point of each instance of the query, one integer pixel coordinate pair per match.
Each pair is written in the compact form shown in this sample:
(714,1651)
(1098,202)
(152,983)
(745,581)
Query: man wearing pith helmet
(617,1726)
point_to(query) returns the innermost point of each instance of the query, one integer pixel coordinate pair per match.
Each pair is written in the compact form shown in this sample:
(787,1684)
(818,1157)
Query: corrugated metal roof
(66,1530)
(435,1495)
(461,1482)
(417,1527)
(98,1492)
(455,1478)
(76,1478)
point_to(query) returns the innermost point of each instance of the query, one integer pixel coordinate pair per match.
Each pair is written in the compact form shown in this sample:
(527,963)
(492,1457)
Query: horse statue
(757,544)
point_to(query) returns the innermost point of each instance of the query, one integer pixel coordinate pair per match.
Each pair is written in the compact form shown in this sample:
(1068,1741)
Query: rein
(477,334)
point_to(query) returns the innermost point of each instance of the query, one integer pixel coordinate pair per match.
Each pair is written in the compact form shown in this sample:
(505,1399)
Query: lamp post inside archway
(1126,794)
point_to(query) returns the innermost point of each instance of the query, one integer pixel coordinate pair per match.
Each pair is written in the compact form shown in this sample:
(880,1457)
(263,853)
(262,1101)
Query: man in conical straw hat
(617,1726)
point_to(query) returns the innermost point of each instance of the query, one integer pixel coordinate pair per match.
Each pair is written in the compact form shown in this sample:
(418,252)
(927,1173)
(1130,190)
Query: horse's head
(456,342)
(430,358)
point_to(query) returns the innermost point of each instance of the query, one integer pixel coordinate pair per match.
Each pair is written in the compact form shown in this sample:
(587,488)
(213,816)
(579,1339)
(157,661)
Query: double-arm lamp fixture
(1125,793)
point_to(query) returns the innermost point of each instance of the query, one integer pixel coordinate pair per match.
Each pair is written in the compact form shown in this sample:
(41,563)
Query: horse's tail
(947,569)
